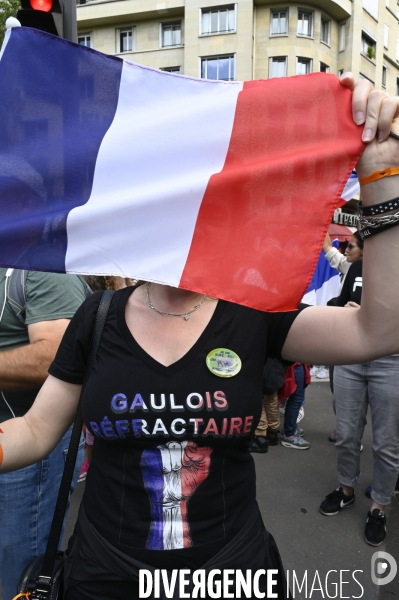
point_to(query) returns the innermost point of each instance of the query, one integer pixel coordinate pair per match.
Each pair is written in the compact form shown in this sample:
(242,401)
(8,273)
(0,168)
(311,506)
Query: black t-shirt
(352,288)
(170,467)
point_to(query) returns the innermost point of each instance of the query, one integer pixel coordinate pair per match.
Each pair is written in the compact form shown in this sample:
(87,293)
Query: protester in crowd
(342,263)
(36,309)
(166,487)
(373,384)
(266,433)
(297,378)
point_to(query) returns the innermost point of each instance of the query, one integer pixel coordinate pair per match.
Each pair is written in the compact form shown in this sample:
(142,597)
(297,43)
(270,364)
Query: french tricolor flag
(224,188)
(325,282)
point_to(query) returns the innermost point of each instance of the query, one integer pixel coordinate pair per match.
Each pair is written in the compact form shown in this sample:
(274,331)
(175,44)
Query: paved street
(291,485)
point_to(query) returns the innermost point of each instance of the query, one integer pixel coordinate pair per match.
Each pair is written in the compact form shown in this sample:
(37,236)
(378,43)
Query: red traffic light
(44,5)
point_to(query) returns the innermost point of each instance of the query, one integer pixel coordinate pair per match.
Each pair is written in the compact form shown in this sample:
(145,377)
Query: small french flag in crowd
(224,188)
(325,282)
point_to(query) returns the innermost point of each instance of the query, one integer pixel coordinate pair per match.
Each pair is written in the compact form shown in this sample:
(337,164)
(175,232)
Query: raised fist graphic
(172,472)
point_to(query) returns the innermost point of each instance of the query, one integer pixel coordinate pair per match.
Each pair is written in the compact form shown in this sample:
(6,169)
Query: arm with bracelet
(371,331)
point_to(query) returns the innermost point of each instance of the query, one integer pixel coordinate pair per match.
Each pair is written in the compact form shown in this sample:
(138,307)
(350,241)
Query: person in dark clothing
(266,433)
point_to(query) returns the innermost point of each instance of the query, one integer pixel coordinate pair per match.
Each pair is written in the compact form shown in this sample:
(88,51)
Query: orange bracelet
(388,172)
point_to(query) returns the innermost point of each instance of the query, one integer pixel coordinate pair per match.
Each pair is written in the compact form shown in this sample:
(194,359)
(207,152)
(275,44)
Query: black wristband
(369,231)
(377,209)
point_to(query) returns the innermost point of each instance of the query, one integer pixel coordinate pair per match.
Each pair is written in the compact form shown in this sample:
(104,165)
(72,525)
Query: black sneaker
(258,444)
(335,502)
(272,438)
(376,529)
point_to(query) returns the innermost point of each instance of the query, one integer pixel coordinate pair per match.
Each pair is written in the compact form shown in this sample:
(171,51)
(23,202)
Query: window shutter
(342,35)
(372,7)
(386,36)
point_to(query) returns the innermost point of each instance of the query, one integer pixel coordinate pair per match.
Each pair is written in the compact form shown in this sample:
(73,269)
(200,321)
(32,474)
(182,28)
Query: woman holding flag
(176,394)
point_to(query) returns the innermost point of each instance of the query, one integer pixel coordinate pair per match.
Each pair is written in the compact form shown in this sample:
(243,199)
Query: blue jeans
(27,502)
(294,402)
(356,387)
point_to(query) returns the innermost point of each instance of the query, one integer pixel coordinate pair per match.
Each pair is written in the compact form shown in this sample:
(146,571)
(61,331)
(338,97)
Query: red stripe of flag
(264,216)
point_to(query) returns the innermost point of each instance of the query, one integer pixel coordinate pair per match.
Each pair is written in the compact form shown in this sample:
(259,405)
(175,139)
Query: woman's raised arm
(328,335)
(26,440)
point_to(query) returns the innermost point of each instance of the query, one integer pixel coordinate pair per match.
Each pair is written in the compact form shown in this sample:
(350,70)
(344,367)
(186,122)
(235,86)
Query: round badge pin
(223,362)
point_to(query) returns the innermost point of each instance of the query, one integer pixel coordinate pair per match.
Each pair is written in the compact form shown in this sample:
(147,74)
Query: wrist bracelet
(377,209)
(369,231)
(388,172)
(379,221)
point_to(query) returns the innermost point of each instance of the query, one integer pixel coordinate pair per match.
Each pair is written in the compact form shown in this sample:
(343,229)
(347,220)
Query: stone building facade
(249,39)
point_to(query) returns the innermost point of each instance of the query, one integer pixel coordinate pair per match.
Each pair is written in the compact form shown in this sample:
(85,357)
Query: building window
(84,39)
(124,39)
(324,68)
(372,7)
(278,66)
(397,86)
(171,69)
(341,72)
(218,67)
(363,76)
(386,36)
(305,23)
(170,34)
(325,31)
(220,20)
(384,76)
(368,46)
(342,37)
(303,66)
(279,22)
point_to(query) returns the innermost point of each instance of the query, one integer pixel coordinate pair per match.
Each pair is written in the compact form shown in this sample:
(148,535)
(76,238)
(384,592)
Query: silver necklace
(185,315)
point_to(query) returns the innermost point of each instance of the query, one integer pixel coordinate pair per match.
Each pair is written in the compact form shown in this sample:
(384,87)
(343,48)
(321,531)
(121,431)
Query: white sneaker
(301,414)
(314,370)
(323,373)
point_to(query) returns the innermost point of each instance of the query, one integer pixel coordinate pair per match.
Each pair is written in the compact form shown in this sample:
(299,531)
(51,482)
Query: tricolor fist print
(172,472)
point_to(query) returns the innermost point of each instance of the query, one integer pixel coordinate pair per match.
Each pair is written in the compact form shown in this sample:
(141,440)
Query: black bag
(273,376)
(43,579)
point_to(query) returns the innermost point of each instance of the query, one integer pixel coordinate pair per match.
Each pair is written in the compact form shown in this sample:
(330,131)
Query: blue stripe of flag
(52,122)
(152,469)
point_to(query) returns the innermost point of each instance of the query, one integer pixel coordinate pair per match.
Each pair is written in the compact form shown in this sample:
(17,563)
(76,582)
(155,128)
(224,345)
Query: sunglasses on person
(351,246)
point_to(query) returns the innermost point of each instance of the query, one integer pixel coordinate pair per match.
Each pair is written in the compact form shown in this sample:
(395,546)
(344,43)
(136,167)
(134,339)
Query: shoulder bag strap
(45,577)
(16,293)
